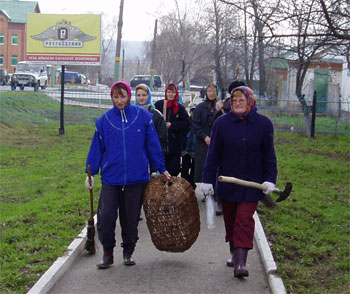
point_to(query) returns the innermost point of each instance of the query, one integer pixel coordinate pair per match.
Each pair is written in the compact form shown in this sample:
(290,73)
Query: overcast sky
(138,15)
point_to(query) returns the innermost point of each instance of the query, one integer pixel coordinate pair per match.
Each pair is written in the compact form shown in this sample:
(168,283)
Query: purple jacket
(243,149)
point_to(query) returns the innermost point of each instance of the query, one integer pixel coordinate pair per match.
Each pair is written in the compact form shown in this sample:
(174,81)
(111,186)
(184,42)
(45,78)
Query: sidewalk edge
(58,268)
(275,282)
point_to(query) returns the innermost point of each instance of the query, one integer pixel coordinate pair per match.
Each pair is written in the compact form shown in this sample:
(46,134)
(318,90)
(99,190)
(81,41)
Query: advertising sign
(64,38)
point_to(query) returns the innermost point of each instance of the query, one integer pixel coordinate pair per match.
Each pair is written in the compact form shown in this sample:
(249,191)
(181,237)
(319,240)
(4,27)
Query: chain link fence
(83,105)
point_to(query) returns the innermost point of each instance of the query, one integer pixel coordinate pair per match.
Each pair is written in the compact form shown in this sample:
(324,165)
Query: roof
(17,10)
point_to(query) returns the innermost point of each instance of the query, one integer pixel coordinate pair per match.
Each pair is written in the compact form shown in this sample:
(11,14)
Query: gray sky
(138,15)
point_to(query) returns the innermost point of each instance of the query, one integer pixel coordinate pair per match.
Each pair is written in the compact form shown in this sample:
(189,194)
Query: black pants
(187,169)
(128,201)
(172,164)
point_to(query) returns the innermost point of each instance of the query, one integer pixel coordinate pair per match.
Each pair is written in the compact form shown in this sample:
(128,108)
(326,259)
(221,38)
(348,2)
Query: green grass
(44,205)
(39,107)
(309,232)
(43,201)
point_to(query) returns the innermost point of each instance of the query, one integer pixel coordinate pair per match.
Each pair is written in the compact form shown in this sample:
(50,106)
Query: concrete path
(201,269)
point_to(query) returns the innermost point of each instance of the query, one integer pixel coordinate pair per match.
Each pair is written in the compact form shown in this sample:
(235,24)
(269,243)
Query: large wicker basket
(172,213)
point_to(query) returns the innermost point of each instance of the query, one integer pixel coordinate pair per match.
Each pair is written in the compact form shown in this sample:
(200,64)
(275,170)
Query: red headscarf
(174,102)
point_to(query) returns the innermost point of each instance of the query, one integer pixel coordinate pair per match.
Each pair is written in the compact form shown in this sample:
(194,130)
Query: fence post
(313,116)
(61,129)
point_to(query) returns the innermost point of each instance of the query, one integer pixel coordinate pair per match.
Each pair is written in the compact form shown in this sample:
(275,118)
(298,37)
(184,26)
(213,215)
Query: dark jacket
(202,117)
(162,131)
(243,149)
(180,126)
(202,124)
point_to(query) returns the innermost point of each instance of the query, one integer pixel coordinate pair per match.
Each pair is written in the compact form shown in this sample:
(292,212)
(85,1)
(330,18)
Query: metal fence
(83,105)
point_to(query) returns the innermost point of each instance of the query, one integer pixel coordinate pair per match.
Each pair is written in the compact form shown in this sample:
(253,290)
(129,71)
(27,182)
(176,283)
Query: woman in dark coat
(241,146)
(178,124)
(144,99)
(202,118)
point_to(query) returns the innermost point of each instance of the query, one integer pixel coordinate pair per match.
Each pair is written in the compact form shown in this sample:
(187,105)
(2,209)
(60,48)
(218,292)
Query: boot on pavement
(128,260)
(106,262)
(240,259)
(231,262)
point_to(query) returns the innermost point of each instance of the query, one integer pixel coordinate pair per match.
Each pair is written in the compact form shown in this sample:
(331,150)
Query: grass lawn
(44,205)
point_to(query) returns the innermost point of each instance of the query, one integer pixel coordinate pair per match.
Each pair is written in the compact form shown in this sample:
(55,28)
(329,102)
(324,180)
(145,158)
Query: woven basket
(172,213)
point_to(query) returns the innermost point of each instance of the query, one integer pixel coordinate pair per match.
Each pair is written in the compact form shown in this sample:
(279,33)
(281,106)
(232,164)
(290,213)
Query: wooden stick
(242,182)
(91,194)
(164,109)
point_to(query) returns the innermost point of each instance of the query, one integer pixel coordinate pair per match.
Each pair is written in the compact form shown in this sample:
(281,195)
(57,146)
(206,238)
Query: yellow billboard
(64,38)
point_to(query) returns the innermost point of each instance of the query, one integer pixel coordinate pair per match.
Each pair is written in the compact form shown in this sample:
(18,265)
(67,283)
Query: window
(1,59)
(2,39)
(14,39)
(14,60)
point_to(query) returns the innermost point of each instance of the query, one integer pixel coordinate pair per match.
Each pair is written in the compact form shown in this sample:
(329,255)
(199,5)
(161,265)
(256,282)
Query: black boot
(128,260)
(240,259)
(106,262)
(231,261)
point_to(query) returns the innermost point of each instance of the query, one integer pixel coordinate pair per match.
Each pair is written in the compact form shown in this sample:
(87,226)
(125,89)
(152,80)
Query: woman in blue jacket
(125,143)
(241,146)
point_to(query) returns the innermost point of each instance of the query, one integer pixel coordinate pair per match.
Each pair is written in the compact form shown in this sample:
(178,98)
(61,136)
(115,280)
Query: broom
(90,242)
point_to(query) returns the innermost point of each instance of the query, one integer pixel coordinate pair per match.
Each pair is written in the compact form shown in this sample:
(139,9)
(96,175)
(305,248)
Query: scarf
(173,103)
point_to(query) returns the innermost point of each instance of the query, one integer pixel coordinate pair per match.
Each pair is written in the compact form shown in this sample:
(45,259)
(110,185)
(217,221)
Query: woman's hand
(168,124)
(219,105)
(167,175)
(207,140)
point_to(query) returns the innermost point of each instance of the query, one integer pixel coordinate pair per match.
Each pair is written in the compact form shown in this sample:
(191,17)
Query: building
(13,19)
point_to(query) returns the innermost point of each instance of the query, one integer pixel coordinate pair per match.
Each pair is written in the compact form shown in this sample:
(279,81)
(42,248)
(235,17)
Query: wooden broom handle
(164,109)
(91,194)
(241,182)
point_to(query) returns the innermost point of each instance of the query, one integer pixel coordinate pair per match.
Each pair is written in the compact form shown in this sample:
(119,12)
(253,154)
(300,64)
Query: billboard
(64,38)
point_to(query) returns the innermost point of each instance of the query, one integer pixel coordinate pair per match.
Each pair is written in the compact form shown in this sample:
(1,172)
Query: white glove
(207,189)
(87,185)
(269,187)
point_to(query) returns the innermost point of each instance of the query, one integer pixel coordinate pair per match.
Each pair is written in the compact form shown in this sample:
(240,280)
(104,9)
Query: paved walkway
(201,269)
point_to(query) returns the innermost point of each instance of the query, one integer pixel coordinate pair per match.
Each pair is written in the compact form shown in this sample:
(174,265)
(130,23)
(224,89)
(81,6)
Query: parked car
(4,77)
(146,79)
(29,75)
(69,75)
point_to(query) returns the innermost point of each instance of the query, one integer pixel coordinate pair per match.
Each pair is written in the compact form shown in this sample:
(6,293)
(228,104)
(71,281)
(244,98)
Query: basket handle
(168,183)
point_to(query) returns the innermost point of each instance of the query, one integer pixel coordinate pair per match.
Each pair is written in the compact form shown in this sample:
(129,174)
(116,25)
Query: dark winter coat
(180,126)
(162,131)
(243,149)
(202,124)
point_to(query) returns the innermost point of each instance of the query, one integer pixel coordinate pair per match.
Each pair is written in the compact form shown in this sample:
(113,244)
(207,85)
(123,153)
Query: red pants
(239,223)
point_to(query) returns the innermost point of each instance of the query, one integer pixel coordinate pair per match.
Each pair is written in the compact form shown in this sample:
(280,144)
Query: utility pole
(153,55)
(123,64)
(119,41)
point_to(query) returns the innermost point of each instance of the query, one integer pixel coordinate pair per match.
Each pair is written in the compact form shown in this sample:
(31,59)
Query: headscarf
(148,90)
(251,103)
(206,92)
(172,103)
(126,86)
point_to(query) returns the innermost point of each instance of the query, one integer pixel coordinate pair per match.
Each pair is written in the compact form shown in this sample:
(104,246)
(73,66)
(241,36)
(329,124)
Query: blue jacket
(243,149)
(125,143)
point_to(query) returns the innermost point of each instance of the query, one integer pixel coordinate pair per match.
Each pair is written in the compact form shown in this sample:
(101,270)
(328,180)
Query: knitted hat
(235,84)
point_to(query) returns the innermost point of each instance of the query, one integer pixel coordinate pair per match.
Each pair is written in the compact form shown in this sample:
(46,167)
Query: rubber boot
(106,262)
(240,259)
(230,262)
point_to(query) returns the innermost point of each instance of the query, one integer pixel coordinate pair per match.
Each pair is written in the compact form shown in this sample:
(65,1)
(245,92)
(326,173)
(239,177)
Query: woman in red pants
(241,146)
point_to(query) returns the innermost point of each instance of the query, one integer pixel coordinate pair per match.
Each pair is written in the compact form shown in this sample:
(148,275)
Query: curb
(275,282)
(58,268)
